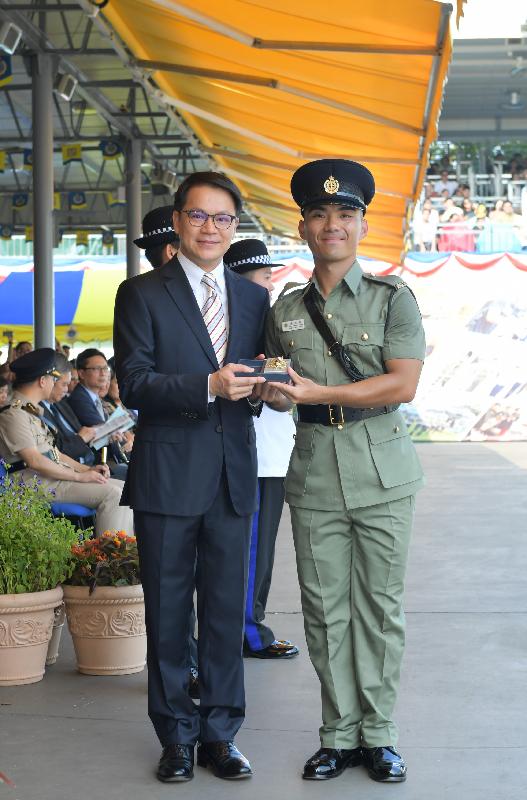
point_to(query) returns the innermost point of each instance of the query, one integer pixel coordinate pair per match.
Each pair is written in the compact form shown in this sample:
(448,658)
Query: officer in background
(160,243)
(28,446)
(354,471)
(159,240)
(274,442)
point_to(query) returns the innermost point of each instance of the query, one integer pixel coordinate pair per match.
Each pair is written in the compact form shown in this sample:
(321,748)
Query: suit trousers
(265,524)
(168,546)
(351,568)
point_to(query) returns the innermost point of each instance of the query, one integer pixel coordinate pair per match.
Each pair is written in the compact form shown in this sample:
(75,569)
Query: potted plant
(105,605)
(35,558)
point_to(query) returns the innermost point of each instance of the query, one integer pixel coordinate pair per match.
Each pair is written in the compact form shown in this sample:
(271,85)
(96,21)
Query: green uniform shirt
(369,461)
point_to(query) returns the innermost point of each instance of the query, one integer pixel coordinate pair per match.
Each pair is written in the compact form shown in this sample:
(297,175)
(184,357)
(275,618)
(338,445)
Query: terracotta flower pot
(107,628)
(26,622)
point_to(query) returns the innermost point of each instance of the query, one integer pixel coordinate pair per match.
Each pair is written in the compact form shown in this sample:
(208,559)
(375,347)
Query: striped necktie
(214,318)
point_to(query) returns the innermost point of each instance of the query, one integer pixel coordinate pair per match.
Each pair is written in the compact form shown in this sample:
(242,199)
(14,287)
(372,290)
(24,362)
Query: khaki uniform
(351,489)
(20,428)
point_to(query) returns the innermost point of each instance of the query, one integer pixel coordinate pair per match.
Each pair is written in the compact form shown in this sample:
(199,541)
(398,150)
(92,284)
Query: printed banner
(108,238)
(110,149)
(77,200)
(6,231)
(117,198)
(20,199)
(3,159)
(57,201)
(83,238)
(6,69)
(29,233)
(71,153)
(28,160)
(474,384)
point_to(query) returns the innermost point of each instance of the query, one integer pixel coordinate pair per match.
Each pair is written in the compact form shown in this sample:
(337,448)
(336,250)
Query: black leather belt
(336,415)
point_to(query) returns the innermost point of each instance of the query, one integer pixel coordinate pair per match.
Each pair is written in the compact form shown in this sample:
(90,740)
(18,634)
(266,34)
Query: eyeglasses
(198,218)
(98,369)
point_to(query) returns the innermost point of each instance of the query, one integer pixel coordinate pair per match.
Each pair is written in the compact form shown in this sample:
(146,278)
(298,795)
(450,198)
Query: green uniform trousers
(351,567)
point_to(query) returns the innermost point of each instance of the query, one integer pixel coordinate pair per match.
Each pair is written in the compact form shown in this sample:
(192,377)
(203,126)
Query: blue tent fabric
(16,297)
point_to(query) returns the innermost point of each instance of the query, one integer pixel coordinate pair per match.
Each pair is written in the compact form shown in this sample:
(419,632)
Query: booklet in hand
(272,369)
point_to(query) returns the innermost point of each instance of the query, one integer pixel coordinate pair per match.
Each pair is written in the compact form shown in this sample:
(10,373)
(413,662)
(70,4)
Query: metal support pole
(133,205)
(44,290)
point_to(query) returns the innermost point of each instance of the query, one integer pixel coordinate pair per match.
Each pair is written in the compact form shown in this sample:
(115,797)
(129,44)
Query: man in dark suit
(71,437)
(179,331)
(93,369)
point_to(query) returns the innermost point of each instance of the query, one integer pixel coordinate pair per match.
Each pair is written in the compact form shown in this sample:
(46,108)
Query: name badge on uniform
(293,325)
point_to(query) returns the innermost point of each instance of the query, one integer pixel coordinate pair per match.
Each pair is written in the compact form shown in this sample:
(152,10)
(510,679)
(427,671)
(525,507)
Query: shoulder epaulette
(390,280)
(5,408)
(289,288)
(31,409)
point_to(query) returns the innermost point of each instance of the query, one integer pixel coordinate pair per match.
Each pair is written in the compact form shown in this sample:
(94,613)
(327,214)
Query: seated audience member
(74,377)
(127,437)
(449,208)
(425,232)
(4,391)
(509,216)
(455,234)
(85,401)
(71,437)
(468,208)
(445,184)
(27,444)
(497,211)
(18,350)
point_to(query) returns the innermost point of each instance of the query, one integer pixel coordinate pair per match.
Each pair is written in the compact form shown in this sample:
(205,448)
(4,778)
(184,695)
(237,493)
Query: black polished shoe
(225,760)
(176,763)
(330,763)
(384,764)
(280,648)
(193,684)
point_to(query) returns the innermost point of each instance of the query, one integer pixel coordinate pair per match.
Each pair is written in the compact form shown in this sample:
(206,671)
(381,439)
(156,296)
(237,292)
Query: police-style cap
(33,365)
(246,255)
(157,228)
(333,180)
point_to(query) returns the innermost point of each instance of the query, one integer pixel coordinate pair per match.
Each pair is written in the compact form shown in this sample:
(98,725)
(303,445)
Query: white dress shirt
(194,275)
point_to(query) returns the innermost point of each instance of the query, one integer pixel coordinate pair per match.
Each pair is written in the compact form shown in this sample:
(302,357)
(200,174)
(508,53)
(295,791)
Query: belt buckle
(332,419)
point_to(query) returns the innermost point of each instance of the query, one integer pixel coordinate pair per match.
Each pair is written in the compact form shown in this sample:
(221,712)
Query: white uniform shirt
(194,275)
(274,442)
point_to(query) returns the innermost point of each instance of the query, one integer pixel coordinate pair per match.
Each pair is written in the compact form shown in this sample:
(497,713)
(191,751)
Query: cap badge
(331,185)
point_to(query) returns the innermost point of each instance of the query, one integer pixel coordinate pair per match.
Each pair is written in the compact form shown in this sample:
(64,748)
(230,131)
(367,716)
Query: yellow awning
(267,85)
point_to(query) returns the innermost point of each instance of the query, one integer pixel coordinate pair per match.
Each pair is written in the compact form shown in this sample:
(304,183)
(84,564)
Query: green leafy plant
(110,560)
(35,546)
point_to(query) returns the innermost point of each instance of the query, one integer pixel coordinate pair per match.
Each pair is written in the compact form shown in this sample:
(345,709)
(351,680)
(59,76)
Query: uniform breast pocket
(298,346)
(363,343)
(392,450)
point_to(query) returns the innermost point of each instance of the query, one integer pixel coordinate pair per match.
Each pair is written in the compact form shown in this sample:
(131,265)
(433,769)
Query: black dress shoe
(280,648)
(193,684)
(176,763)
(225,760)
(384,764)
(329,763)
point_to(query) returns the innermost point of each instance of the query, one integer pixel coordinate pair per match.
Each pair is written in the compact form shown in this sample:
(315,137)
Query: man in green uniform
(354,472)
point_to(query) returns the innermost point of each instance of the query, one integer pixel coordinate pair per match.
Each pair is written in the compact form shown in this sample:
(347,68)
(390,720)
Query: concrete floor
(461,710)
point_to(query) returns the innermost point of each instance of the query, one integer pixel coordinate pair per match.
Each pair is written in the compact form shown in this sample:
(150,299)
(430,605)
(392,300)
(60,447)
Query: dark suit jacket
(83,407)
(68,442)
(163,355)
